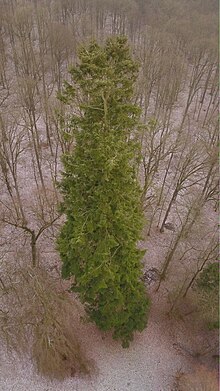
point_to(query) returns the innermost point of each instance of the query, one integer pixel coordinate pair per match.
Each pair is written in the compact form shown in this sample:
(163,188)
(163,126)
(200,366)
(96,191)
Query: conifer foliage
(98,242)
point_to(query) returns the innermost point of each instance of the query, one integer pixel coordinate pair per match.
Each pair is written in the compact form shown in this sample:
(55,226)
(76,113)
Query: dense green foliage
(209,278)
(98,242)
(207,288)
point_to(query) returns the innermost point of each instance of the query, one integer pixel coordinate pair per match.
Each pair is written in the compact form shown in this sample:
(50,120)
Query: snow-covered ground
(149,364)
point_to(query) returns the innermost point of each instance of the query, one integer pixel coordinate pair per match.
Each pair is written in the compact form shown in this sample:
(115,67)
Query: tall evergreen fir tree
(98,242)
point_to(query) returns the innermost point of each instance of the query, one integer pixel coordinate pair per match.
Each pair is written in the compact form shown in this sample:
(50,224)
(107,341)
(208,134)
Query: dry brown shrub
(202,379)
(38,317)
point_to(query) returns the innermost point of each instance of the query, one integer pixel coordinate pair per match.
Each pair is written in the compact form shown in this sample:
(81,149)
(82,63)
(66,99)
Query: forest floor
(150,363)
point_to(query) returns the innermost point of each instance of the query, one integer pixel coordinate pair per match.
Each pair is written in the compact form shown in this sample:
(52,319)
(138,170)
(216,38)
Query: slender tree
(102,197)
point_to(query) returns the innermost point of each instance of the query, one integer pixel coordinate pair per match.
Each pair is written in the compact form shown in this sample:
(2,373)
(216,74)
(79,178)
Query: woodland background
(175,43)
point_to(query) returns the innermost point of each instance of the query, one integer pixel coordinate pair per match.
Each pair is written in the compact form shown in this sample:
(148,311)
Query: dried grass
(202,379)
(38,318)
